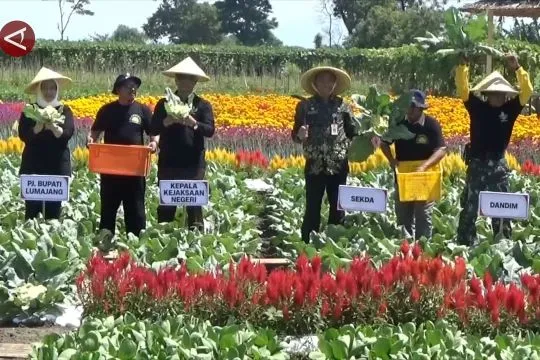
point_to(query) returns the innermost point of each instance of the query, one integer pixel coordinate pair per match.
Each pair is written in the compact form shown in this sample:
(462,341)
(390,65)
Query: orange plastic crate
(128,160)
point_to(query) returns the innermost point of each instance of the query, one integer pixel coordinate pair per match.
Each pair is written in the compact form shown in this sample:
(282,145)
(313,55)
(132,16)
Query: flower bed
(410,287)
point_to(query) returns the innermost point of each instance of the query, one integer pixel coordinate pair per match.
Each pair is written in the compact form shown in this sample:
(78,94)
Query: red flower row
(529,167)
(251,159)
(411,281)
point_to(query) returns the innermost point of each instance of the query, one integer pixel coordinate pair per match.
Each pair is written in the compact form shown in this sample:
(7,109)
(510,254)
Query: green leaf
(128,349)
(67,354)
(382,347)
(339,349)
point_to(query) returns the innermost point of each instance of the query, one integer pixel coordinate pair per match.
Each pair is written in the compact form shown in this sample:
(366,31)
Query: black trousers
(34,208)
(166,213)
(128,191)
(316,185)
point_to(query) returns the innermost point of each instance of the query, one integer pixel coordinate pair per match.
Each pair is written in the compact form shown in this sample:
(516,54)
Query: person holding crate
(323,125)
(45,127)
(493,106)
(122,122)
(183,120)
(428,147)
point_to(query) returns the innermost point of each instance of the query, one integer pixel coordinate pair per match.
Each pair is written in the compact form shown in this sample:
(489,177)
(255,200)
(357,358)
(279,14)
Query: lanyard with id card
(334,126)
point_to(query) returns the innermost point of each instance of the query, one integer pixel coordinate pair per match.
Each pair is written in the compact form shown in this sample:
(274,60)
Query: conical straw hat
(47,74)
(343,80)
(187,67)
(495,82)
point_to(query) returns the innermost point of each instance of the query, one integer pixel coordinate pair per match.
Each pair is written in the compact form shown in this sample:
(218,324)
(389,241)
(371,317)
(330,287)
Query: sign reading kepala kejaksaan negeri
(357,198)
(183,192)
(44,187)
(503,205)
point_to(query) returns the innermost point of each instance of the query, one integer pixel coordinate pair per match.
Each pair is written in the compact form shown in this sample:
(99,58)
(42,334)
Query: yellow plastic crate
(418,186)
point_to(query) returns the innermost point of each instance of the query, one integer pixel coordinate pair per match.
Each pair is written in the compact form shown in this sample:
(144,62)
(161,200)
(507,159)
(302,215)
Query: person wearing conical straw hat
(493,106)
(182,138)
(323,125)
(46,150)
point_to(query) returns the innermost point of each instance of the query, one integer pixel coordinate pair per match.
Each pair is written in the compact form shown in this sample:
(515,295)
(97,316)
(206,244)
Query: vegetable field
(358,291)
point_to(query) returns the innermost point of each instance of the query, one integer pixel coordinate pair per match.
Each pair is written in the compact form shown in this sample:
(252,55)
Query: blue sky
(43,16)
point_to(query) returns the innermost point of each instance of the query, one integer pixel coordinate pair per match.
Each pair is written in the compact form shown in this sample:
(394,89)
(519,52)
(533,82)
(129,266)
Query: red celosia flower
(416,251)
(405,248)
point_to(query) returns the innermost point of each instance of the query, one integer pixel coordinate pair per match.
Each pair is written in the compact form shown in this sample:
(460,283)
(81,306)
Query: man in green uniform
(493,107)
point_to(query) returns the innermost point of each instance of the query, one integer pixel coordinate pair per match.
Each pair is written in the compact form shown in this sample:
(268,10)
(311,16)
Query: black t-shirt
(490,127)
(123,124)
(428,138)
(181,146)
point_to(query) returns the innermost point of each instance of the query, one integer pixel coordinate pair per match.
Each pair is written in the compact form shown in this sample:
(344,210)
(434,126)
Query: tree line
(368,23)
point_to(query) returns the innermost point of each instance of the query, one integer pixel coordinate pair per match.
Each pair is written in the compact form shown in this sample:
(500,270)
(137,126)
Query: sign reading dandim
(355,198)
(183,192)
(504,205)
(45,187)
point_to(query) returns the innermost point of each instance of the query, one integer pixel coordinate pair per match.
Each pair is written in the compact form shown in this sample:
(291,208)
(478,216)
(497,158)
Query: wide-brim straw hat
(343,80)
(47,74)
(187,67)
(495,82)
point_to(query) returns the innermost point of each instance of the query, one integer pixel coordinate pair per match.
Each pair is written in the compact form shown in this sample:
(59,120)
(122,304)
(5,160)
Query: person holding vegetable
(183,120)
(45,127)
(426,145)
(323,125)
(122,122)
(493,106)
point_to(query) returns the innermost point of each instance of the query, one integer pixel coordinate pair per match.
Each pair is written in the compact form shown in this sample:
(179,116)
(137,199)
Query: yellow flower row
(451,164)
(277,111)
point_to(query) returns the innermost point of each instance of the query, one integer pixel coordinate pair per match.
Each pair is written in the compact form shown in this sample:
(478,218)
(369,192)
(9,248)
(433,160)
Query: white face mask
(41,100)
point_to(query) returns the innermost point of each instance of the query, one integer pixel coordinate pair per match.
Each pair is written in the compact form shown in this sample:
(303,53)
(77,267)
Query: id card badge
(333,129)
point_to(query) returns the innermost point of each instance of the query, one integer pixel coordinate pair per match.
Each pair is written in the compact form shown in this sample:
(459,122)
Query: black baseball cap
(121,79)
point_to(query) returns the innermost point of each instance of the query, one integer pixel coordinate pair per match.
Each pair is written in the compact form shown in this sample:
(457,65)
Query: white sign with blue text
(44,187)
(357,198)
(183,192)
(504,205)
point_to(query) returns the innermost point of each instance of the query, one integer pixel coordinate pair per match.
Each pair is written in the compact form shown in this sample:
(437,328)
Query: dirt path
(28,335)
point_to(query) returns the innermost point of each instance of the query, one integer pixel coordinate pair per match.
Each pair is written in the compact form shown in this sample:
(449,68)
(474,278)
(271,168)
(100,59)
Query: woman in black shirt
(46,150)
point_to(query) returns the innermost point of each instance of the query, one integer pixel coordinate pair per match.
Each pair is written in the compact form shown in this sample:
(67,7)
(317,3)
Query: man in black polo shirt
(123,122)
(428,145)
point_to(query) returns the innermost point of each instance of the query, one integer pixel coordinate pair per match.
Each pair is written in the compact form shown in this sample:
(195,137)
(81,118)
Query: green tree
(128,34)
(248,20)
(353,12)
(384,27)
(123,33)
(318,41)
(184,22)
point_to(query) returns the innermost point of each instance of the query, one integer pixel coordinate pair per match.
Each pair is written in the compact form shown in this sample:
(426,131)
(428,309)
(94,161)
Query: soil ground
(28,335)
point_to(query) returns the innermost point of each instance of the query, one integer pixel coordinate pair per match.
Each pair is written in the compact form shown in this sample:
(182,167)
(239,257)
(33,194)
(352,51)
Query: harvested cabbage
(380,116)
(361,147)
(48,115)
(175,107)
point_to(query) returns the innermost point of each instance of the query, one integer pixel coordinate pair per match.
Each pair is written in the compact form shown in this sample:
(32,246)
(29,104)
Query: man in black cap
(123,122)
(427,146)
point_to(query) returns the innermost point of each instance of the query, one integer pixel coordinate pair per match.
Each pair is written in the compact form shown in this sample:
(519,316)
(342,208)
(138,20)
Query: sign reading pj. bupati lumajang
(183,192)
(45,187)
(503,205)
(356,198)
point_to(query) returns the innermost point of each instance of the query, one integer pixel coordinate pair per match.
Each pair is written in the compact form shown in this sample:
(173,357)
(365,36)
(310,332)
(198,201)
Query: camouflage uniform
(482,175)
(327,164)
